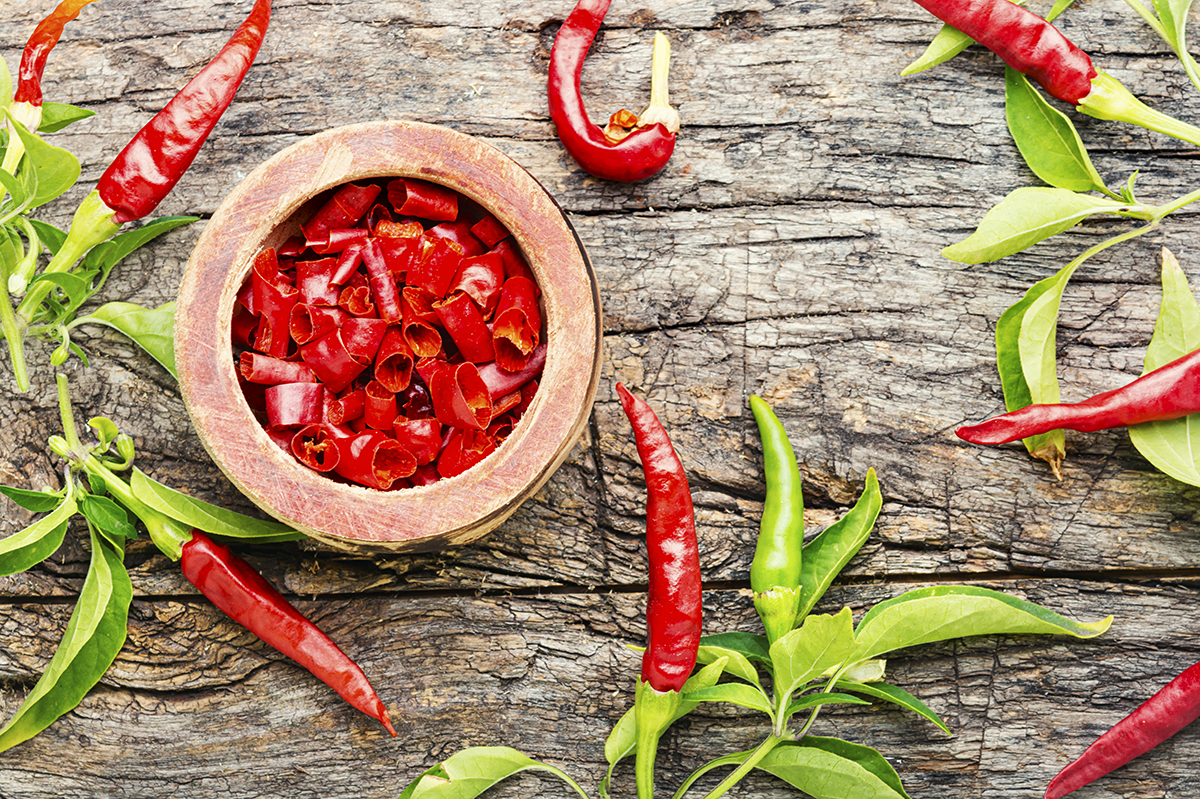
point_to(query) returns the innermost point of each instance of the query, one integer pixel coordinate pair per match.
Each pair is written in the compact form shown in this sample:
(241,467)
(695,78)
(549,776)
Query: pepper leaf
(822,642)
(1172,446)
(823,698)
(36,501)
(29,547)
(895,695)
(1026,216)
(103,257)
(51,236)
(108,516)
(6,84)
(12,250)
(151,329)
(472,771)
(830,768)
(56,169)
(736,663)
(736,693)
(939,613)
(749,645)
(94,636)
(1046,138)
(828,553)
(206,516)
(56,116)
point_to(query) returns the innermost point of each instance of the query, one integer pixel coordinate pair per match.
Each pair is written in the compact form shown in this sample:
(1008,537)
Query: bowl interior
(265,210)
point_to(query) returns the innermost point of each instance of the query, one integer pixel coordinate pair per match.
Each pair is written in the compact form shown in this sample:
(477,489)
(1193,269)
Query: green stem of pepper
(653,712)
(1110,100)
(749,764)
(15,338)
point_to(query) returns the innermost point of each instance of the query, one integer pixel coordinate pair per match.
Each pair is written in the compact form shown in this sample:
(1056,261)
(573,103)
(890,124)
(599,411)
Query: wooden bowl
(262,212)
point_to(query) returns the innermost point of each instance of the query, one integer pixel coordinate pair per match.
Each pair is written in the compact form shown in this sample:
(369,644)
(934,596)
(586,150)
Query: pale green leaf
(152,329)
(38,541)
(895,695)
(822,698)
(736,663)
(829,552)
(829,768)
(466,774)
(820,643)
(1046,138)
(56,169)
(56,116)
(736,693)
(206,516)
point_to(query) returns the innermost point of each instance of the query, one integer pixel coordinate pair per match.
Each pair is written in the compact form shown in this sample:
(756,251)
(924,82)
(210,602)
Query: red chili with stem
(37,50)
(245,596)
(673,610)
(633,147)
(1167,712)
(1169,392)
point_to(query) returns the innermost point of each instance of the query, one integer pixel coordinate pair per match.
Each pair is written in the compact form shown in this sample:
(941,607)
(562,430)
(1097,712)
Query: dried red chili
(1169,392)
(33,59)
(627,152)
(1171,709)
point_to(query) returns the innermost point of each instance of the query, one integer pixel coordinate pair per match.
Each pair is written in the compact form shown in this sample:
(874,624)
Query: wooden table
(790,249)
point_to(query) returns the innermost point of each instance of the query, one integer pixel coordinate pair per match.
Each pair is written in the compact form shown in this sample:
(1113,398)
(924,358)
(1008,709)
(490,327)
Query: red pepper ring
(500,382)
(314,446)
(373,459)
(421,437)
(462,320)
(294,404)
(633,156)
(464,449)
(460,397)
(518,324)
(343,210)
(258,368)
(394,361)
(331,361)
(414,197)
(311,322)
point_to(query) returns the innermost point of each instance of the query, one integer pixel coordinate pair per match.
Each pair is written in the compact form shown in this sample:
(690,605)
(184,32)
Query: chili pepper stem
(15,337)
(1110,100)
(749,764)
(778,609)
(30,116)
(653,712)
(660,111)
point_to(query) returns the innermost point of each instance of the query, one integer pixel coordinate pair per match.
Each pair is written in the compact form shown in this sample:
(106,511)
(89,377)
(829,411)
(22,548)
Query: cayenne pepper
(1174,707)
(1034,47)
(673,608)
(1169,392)
(633,147)
(27,99)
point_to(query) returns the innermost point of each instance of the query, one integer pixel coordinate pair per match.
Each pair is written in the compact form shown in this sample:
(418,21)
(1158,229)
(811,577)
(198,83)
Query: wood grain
(791,249)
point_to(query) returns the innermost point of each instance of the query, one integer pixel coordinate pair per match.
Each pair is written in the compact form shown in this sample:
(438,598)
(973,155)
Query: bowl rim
(261,212)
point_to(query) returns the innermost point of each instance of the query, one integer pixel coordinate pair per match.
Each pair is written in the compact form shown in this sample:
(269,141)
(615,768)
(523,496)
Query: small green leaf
(1173,447)
(939,613)
(75,288)
(206,516)
(1026,216)
(106,431)
(29,547)
(51,236)
(56,169)
(895,695)
(736,663)
(823,698)
(749,645)
(1059,7)
(94,636)
(36,501)
(820,643)
(56,116)
(829,768)
(466,774)
(12,252)
(1046,138)
(735,693)
(107,255)
(108,516)
(151,329)
(6,84)
(826,555)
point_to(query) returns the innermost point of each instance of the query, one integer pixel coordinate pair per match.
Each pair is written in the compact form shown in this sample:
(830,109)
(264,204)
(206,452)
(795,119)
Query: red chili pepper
(1169,392)
(1167,712)
(258,368)
(460,317)
(315,448)
(241,592)
(673,610)
(413,197)
(611,154)
(37,50)
(518,324)
(152,163)
(295,404)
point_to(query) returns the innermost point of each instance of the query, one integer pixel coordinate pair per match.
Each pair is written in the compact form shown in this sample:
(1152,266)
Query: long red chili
(633,147)
(673,610)
(1169,392)
(156,158)
(247,598)
(37,50)
(1167,712)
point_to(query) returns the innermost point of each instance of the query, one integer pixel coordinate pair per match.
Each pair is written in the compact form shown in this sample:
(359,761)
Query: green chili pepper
(775,571)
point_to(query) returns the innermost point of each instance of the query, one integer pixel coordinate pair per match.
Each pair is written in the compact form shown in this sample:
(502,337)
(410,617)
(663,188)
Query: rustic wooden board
(791,249)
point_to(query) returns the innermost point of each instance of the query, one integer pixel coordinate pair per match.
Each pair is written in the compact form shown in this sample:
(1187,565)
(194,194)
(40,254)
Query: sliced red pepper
(311,322)
(314,281)
(357,301)
(436,267)
(517,328)
(293,404)
(363,337)
(373,459)
(273,335)
(515,264)
(383,285)
(401,243)
(315,447)
(416,402)
(332,362)
(338,240)
(463,321)
(499,382)
(379,412)
(489,230)
(394,361)
(459,233)
(464,449)
(347,265)
(481,278)
(258,368)
(423,338)
(242,326)
(421,437)
(506,403)
(348,205)
(425,475)
(413,197)
(460,398)
(346,408)
(292,247)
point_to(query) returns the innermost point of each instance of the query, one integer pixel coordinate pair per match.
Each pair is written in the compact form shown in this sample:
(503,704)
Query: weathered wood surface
(790,249)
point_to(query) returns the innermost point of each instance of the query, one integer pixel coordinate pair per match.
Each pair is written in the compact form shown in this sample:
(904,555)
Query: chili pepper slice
(315,448)
(394,362)
(489,230)
(259,368)
(481,278)
(460,397)
(314,280)
(421,437)
(462,320)
(349,204)
(459,233)
(414,197)
(1171,709)
(311,322)
(464,449)
(437,266)
(246,597)
(373,459)
(518,324)
(348,407)
(331,361)
(500,382)
(634,156)
(1169,392)
(515,264)
(383,285)
(294,404)
(379,410)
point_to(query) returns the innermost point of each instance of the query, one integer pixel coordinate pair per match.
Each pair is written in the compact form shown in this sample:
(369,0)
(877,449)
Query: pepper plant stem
(15,338)
(748,764)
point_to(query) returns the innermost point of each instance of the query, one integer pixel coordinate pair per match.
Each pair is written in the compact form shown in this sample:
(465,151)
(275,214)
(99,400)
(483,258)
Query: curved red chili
(37,50)
(155,159)
(614,153)
(1167,712)
(246,597)
(1169,392)
(673,611)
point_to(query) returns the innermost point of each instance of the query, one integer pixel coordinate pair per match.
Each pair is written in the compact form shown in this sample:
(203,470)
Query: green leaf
(823,698)
(736,663)
(206,516)
(36,501)
(108,516)
(948,43)
(56,169)
(20,192)
(749,645)
(1026,216)
(110,253)
(895,695)
(12,250)
(51,236)
(820,643)
(94,636)
(472,771)
(6,84)
(1058,8)
(56,116)
(76,290)
(38,541)
(1173,447)
(151,329)
(1046,138)
(736,693)
(106,431)
(826,555)
(829,768)
(939,613)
